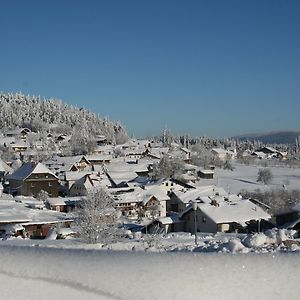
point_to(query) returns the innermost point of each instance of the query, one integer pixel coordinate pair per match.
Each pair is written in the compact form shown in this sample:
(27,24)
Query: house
(6,141)
(151,203)
(163,225)
(181,199)
(135,153)
(157,152)
(101,140)
(64,204)
(259,155)
(17,219)
(19,147)
(171,184)
(223,214)
(31,178)
(206,174)
(71,177)
(63,164)
(84,185)
(18,133)
(99,159)
(223,154)
(187,154)
(286,218)
(271,152)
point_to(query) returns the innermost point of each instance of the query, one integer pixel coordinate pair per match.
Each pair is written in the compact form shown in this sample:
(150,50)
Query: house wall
(206,175)
(163,208)
(78,190)
(204,224)
(34,184)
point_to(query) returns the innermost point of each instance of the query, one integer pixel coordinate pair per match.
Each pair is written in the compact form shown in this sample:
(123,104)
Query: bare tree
(97,218)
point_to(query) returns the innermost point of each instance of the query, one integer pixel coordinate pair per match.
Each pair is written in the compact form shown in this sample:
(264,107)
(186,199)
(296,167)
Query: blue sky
(217,68)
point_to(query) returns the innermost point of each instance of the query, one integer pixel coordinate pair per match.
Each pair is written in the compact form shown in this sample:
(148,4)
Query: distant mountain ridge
(276,137)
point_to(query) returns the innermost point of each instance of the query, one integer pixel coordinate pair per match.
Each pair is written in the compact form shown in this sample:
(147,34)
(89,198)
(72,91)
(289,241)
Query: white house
(222,214)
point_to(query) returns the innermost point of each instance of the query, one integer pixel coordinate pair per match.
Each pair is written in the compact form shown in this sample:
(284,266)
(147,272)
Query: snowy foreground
(71,270)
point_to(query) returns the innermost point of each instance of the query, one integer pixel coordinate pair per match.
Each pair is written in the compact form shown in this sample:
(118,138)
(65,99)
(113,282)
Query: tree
(167,167)
(265,176)
(97,218)
(228,166)
(42,196)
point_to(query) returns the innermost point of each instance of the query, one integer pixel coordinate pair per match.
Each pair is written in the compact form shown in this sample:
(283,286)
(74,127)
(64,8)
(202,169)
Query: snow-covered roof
(119,177)
(121,166)
(14,212)
(7,140)
(169,220)
(69,160)
(207,172)
(157,192)
(73,176)
(4,167)
(64,201)
(240,212)
(88,181)
(199,192)
(98,157)
(221,151)
(141,195)
(30,168)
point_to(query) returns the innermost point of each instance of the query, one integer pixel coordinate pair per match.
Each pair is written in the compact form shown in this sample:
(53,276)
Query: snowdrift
(49,273)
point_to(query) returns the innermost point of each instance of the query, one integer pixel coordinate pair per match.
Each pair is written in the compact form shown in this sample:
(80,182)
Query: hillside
(41,114)
(279,137)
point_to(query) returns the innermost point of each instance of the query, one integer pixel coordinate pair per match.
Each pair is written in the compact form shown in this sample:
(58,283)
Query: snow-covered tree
(42,196)
(167,167)
(18,110)
(265,176)
(97,218)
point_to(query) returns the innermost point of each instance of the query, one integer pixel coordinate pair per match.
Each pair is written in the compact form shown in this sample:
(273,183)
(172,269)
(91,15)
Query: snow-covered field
(244,177)
(50,273)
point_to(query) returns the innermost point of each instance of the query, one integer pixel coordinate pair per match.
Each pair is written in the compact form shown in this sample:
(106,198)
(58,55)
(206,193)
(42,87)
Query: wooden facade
(32,185)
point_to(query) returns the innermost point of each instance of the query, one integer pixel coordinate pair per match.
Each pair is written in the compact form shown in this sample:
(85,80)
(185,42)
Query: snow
(32,272)
(30,168)
(15,212)
(244,177)
(241,212)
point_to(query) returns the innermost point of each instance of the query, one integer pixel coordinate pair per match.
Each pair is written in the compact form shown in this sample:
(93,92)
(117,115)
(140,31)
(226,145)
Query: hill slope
(279,137)
(19,110)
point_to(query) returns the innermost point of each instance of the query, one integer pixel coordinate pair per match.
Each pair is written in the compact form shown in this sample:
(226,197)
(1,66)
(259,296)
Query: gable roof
(30,168)
(239,211)
(199,192)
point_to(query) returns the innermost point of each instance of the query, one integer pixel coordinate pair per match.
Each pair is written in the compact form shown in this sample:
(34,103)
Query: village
(41,198)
